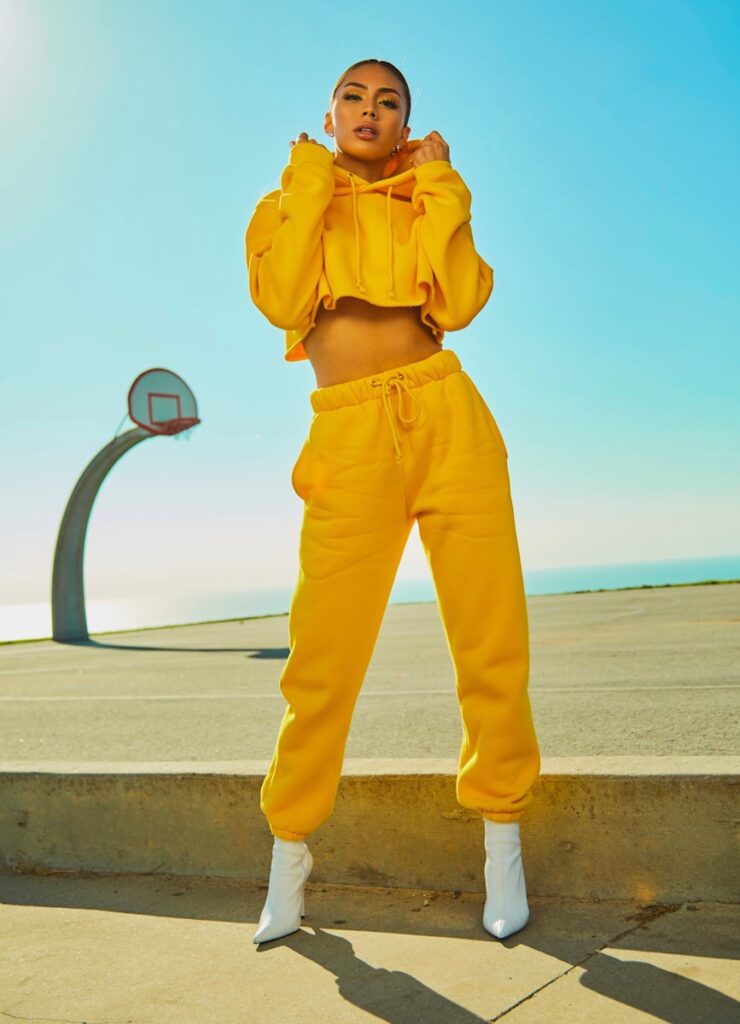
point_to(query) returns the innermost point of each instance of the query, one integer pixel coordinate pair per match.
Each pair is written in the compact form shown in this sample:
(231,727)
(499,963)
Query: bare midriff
(358,339)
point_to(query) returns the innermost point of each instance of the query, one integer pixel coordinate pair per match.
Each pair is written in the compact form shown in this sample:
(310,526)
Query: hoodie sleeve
(462,281)
(283,238)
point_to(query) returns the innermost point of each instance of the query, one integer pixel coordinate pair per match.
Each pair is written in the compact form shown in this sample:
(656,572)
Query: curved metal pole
(69,621)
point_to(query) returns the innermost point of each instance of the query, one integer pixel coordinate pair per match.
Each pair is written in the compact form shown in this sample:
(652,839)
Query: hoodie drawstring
(396,381)
(358,282)
(389,224)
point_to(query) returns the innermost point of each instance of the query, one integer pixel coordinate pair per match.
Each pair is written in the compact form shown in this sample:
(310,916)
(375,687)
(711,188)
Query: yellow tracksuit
(404,240)
(417,443)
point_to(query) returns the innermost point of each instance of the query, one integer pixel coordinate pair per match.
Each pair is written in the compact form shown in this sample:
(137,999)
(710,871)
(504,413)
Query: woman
(365,257)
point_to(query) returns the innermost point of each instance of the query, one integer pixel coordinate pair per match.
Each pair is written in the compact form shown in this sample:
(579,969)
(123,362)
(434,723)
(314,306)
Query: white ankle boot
(285,904)
(506,908)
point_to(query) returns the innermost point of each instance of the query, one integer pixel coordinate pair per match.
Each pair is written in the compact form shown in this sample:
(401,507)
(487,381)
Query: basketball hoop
(176,426)
(162,403)
(185,432)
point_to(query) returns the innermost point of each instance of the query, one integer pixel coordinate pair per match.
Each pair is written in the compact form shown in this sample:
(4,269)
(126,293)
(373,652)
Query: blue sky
(600,143)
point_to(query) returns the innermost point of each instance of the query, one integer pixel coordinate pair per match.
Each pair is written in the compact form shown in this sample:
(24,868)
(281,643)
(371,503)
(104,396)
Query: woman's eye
(356,96)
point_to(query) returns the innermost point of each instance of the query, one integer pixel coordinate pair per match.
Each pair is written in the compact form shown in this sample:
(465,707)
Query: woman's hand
(401,161)
(433,147)
(303,137)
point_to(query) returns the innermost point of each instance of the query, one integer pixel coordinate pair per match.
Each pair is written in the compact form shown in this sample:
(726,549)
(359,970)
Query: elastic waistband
(352,392)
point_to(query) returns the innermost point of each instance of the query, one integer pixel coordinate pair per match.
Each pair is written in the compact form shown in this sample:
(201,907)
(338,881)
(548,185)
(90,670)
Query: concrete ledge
(650,829)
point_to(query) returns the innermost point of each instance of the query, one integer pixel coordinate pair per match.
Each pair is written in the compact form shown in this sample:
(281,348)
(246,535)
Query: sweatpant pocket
(299,478)
(490,419)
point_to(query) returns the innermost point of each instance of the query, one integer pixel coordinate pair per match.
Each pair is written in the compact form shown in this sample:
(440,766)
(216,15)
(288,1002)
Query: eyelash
(354,95)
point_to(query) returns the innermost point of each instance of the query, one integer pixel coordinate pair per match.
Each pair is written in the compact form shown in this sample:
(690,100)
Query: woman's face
(368,93)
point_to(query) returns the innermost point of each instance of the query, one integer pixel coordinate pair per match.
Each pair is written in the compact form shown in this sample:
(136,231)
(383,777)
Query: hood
(400,183)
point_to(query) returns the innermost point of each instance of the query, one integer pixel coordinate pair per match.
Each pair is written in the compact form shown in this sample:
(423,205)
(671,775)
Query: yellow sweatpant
(416,443)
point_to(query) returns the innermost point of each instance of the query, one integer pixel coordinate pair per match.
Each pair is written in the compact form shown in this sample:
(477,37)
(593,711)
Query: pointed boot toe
(286,902)
(506,909)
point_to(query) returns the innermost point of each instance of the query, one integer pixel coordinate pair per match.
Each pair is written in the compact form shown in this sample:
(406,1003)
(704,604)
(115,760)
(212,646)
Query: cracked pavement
(127,949)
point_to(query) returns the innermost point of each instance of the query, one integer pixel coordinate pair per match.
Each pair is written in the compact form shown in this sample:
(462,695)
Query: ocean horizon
(32,620)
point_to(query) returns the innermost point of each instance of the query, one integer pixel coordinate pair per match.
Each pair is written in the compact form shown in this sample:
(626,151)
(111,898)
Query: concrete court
(650,671)
(167,950)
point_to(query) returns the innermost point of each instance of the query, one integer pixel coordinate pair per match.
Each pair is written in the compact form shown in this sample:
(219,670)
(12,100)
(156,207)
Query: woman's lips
(366,133)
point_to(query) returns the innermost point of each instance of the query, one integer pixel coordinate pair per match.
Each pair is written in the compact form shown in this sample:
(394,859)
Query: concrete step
(635,828)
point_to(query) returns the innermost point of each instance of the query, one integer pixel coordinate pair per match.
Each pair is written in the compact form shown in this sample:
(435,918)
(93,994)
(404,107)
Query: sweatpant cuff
(281,833)
(503,816)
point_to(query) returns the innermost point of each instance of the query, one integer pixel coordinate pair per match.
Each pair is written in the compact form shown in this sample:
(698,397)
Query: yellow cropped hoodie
(404,240)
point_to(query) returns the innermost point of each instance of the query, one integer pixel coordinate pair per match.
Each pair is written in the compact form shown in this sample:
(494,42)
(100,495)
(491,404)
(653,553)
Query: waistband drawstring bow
(398,382)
